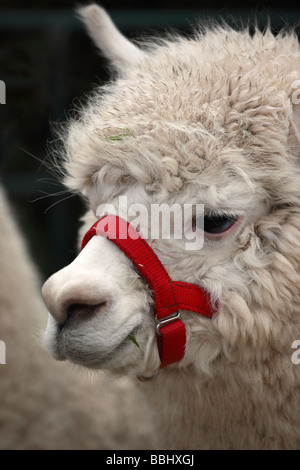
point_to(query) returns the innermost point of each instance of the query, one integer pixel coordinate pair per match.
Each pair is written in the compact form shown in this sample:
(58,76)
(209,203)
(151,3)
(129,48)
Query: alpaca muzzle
(169,296)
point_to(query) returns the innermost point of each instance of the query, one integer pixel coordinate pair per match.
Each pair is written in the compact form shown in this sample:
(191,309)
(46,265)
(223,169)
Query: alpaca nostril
(84,310)
(67,297)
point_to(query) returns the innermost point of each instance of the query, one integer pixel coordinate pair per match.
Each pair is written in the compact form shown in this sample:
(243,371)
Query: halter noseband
(169,296)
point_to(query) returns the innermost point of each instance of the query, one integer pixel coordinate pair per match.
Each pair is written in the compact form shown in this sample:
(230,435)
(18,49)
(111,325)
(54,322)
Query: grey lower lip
(96,363)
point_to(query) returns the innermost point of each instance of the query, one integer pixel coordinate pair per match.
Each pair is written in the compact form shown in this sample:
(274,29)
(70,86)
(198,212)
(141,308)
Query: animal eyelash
(222,213)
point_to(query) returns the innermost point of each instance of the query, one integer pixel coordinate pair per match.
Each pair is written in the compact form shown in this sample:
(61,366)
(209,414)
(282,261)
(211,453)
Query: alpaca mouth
(98,362)
(80,343)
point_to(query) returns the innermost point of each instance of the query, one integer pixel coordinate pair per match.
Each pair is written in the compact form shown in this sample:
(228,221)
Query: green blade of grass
(117,137)
(133,339)
(125,133)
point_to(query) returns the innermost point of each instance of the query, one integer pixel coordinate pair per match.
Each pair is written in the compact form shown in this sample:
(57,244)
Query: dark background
(46,61)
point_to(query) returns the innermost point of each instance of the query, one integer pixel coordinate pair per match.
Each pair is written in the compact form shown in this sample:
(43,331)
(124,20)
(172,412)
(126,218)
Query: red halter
(169,296)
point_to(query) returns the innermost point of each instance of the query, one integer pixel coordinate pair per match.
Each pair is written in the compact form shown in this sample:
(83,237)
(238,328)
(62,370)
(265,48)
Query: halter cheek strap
(169,296)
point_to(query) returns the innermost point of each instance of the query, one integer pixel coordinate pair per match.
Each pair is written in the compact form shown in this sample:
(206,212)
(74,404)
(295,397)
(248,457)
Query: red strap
(169,296)
(171,343)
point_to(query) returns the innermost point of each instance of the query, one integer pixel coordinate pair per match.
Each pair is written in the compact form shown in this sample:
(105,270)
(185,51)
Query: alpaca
(213,119)
(46,405)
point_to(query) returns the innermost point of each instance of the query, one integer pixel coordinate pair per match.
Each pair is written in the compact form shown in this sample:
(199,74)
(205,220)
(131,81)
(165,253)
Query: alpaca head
(213,121)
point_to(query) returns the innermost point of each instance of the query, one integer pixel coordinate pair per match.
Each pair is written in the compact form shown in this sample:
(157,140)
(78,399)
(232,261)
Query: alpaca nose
(73,299)
(83,310)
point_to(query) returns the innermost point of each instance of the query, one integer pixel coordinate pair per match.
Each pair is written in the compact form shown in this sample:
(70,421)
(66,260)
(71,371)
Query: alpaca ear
(114,46)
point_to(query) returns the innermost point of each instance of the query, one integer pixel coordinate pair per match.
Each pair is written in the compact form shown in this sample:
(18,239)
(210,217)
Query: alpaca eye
(216,224)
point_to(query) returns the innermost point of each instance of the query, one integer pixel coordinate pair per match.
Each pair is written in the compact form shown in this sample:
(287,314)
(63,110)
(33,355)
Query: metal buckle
(166,320)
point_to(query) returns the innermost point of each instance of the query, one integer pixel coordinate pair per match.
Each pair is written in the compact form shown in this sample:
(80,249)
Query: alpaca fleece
(210,119)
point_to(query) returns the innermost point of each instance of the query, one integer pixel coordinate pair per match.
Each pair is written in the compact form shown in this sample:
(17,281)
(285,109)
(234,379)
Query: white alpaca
(210,120)
(43,404)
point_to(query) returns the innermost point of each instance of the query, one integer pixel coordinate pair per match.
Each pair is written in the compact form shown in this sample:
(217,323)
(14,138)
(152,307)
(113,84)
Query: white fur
(207,120)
